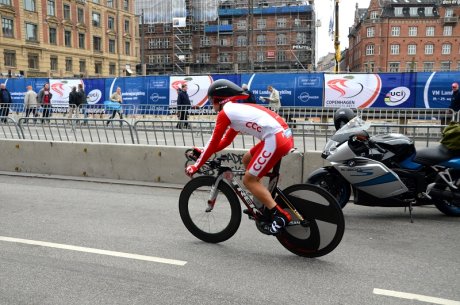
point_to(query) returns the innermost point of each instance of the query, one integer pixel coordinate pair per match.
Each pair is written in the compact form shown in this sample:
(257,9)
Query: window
(81,40)
(412,49)
(281,39)
(126,26)
(428,66)
(204,41)
(398,11)
(29,5)
(370,49)
(449,12)
(112,46)
(111,23)
(412,31)
(80,15)
(393,67)
(112,68)
(68,38)
(204,58)
(413,11)
(394,49)
(446,48)
(32,61)
(223,42)
(374,15)
(224,58)
(68,64)
(261,40)
(10,58)
(98,67)
(50,9)
(67,11)
(281,22)
(395,31)
(96,1)
(430,31)
(127,48)
(429,49)
(126,5)
(411,66)
(301,38)
(167,27)
(447,30)
(428,11)
(261,23)
(241,41)
(242,56)
(82,65)
(370,31)
(150,28)
(445,66)
(96,19)
(241,25)
(260,56)
(53,36)
(7,27)
(97,45)
(53,63)
(281,56)
(5,2)
(31,32)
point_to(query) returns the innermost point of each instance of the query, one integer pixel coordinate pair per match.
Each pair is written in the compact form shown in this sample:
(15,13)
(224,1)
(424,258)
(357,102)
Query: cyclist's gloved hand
(196,153)
(191,170)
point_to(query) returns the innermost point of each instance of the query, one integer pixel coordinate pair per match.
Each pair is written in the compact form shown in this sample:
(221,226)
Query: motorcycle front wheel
(334,184)
(324,224)
(216,225)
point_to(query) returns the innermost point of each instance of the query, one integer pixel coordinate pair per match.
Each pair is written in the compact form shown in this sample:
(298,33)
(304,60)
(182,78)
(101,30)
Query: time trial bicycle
(210,209)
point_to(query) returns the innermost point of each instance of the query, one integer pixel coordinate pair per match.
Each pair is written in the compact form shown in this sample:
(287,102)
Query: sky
(324,9)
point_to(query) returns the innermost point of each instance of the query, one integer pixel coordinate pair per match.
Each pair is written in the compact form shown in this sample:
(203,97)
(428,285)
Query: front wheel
(216,225)
(334,184)
(324,222)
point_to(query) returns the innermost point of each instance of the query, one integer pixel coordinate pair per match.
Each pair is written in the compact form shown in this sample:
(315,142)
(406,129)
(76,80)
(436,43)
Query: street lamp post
(143,68)
(336,38)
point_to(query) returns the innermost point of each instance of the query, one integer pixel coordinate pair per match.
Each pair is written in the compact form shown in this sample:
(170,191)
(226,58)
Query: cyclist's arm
(222,123)
(227,139)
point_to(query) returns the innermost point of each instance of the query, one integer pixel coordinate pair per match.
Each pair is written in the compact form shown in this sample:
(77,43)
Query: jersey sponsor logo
(254,126)
(260,162)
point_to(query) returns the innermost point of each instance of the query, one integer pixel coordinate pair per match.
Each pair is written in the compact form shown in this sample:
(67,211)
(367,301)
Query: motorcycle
(387,170)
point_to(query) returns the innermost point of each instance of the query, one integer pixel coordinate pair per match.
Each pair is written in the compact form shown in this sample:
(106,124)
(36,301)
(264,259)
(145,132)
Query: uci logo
(260,162)
(254,126)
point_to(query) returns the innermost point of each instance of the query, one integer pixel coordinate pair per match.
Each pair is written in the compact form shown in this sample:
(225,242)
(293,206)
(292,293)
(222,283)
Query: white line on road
(417,297)
(95,251)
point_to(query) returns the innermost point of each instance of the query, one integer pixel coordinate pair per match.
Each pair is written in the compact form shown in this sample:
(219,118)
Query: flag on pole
(331,21)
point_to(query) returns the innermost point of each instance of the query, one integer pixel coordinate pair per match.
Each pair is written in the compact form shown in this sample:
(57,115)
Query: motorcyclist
(264,124)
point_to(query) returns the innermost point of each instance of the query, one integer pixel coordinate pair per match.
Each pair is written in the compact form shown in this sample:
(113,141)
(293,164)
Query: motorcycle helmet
(342,116)
(223,90)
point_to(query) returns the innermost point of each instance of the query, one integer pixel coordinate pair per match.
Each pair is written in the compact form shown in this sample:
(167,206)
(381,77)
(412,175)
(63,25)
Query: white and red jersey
(252,119)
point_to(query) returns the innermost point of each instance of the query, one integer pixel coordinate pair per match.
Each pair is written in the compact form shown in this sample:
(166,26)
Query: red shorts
(267,153)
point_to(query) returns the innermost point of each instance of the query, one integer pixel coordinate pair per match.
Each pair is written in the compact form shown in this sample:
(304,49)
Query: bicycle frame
(227,174)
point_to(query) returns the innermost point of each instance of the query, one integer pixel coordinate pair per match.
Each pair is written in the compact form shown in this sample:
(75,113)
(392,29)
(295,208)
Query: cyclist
(260,122)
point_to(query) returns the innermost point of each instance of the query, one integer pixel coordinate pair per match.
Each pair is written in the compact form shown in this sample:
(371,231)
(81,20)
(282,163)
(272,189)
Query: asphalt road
(53,231)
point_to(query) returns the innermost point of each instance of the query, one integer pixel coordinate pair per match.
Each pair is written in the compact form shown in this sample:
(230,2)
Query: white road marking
(93,250)
(416,297)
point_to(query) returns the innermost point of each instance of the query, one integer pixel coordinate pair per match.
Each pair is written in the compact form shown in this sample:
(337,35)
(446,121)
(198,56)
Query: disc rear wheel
(324,224)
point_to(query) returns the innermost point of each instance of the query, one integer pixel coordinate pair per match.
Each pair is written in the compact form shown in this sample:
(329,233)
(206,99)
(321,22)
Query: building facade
(405,36)
(264,36)
(68,38)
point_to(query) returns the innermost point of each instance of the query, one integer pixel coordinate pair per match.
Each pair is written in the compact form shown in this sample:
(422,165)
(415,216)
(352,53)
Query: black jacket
(73,98)
(455,101)
(183,101)
(5,96)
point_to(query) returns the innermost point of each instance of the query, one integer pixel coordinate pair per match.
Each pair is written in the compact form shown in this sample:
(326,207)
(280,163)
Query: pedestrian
(455,99)
(81,100)
(116,97)
(73,102)
(251,98)
(30,103)
(183,106)
(44,99)
(5,102)
(273,100)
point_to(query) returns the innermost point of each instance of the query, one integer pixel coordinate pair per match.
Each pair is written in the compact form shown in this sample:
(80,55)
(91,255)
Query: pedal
(246,211)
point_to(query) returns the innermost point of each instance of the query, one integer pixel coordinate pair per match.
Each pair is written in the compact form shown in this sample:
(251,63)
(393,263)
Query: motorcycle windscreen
(371,177)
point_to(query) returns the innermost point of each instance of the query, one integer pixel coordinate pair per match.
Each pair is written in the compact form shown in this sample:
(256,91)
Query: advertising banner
(197,89)
(60,88)
(133,89)
(369,90)
(94,89)
(434,89)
